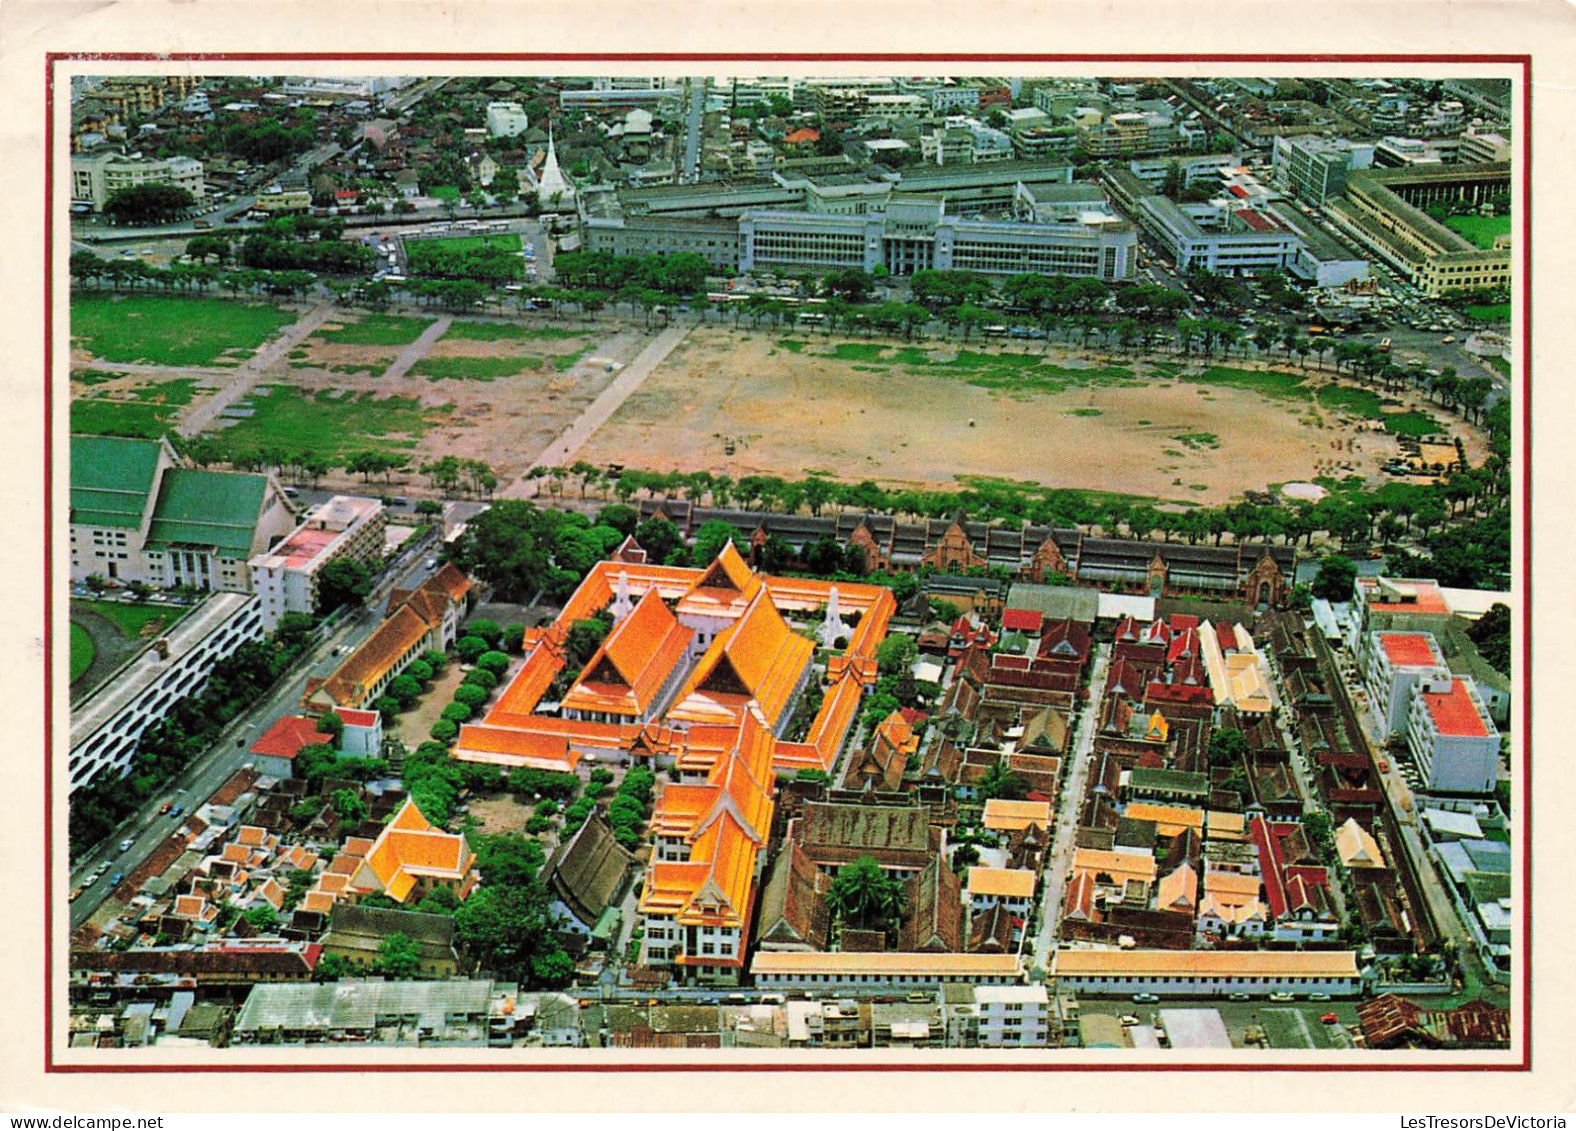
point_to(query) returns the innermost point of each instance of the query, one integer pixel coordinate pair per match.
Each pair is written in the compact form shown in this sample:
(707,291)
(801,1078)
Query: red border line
(1523,786)
(49,557)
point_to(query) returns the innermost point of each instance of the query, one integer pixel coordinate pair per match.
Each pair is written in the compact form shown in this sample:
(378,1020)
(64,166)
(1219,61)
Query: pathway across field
(205,414)
(563,448)
(411,354)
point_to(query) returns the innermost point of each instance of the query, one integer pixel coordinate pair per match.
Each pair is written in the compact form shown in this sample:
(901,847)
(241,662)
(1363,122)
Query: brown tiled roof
(793,902)
(588,870)
(934,918)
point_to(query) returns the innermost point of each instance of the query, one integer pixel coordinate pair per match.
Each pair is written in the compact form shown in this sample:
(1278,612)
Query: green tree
(1491,634)
(1335,578)
(404,688)
(1000,782)
(489,630)
(864,896)
(470,648)
(495,662)
(263,919)
(1227,746)
(348,805)
(514,638)
(398,957)
(659,537)
(896,654)
(148,204)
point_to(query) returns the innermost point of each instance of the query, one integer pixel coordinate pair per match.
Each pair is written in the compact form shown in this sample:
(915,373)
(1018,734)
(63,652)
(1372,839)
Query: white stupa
(553,189)
(622,606)
(833,627)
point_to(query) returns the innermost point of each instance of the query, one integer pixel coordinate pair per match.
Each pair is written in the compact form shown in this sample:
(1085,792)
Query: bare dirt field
(500,814)
(505,421)
(792,410)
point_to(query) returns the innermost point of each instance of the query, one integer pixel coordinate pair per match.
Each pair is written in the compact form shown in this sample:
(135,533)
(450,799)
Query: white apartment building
(285,577)
(106,726)
(1397,663)
(1013,1016)
(1452,737)
(96,177)
(506,119)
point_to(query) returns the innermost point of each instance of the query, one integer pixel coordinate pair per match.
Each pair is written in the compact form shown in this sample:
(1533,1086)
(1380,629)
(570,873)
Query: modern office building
(1315,168)
(506,119)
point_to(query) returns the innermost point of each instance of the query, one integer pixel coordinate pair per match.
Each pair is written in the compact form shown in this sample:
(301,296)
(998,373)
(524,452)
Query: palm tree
(862,894)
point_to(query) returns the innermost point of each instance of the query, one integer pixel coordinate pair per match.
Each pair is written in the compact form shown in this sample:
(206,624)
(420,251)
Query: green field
(82,651)
(473,368)
(504,242)
(1268,384)
(1500,364)
(1480,230)
(130,618)
(327,425)
(1493,312)
(1413,424)
(444,192)
(463,331)
(146,412)
(1362,403)
(377,330)
(162,330)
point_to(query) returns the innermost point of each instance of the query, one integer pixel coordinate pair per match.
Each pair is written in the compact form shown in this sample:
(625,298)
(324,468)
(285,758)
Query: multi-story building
(1127,134)
(915,233)
(1315,168)
(1218,236)
(137,515)
(345,527)
(106,726)
(96,177)
(1013,1016)
(1385,212)
(506,119)
(1397,663)
(1452,738)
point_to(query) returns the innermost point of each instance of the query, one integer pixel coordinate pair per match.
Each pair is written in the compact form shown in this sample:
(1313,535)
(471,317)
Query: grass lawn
(790,345)
(148,414)
(1362,403)
(859,351)
(130,618)
(1481,230)
(1197,441)
(377,330)
(1412,424)
(1494,312)
(473,368)
(506,332)
(464,243)
(327,425)
(81,651)
(444,192)
(1500,364)
(1269,384)
(93,376)
(164,330)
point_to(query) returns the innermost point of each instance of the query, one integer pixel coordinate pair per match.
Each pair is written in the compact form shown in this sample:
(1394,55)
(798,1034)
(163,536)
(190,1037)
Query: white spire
(552,182)
(622,606)
(833,627)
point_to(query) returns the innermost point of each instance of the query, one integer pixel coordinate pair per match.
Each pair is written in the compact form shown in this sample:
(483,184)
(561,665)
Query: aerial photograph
(692,564)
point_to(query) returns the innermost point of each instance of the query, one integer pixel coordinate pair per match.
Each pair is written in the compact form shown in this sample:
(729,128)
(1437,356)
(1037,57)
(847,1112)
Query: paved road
(414,352)
(202,415)
(563,448)
(1059,863)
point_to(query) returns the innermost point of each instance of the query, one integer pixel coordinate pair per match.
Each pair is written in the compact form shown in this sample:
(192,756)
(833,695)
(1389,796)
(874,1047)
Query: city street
(1060,860)
(147,828)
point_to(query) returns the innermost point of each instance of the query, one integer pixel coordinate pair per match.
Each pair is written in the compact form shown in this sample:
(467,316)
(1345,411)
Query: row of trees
(521,549)
(681,274)
(89,270)
(148,204)
(490,262)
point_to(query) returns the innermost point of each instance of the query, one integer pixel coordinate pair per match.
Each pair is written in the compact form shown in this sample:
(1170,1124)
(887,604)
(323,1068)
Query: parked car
(1318,997)
(1282,997)
(1145,999)
(1330,1019)
(1129,1019)
(114,881)
(74,893)
(166,807)
(126,844)
(1239,997)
